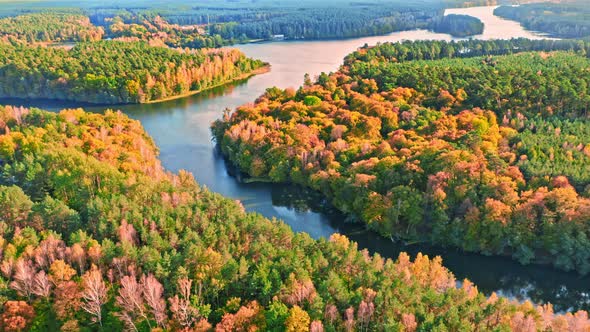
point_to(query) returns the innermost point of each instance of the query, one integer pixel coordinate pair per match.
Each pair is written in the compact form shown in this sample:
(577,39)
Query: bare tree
(183,312)
(41,285)
(127,233)
(24,276)
(152,293)
(131,301)
(94,294)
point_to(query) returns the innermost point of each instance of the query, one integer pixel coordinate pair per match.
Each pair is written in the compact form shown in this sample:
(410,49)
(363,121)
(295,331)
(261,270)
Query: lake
(180,128)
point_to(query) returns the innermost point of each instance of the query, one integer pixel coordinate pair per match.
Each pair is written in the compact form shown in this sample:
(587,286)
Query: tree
(24,278)
(316,326)
(41,285)
(184,313)
(409,322)
(15,206)
(94,294)
(298,320)
(153,293)
(276,315)
(57,215)
(131,302)
(67,299)
(60,271)
(245,319)
(17,316)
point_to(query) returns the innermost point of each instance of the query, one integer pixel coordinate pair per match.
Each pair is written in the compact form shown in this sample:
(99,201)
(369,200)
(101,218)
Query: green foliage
(308,19)
(14,204)
(153,28)
(554,146)
(533,83)
(110,72)
(276,315)
(458,25)
(239,21)
(312,101)
(49,27)
(474,144)
(207,261)
(570,19)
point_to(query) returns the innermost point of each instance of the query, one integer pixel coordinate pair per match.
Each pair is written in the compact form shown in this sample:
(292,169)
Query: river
(180,128)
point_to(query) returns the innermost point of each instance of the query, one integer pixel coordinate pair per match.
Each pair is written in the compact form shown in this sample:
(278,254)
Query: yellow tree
(298,320)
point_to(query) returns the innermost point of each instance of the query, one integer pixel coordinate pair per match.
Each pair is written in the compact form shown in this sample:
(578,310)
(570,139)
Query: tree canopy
(568,19)
(49,27)
(96,236)
(115,72)
(463,144)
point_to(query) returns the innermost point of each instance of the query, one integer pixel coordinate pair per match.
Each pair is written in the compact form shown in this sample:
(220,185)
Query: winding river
(181,130)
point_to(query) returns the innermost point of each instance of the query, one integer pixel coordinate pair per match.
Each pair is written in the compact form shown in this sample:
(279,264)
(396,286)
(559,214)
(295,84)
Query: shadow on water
(566,291)
(161,108)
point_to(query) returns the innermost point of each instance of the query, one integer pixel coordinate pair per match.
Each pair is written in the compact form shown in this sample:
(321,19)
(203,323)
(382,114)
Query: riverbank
(542,259)
(43,102)
(262,70)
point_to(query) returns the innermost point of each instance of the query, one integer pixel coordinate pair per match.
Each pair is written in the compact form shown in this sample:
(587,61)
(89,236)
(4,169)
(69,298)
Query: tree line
(115,72)
(219,24)
(49,27)
(156,30)
(564,20)
(458,25)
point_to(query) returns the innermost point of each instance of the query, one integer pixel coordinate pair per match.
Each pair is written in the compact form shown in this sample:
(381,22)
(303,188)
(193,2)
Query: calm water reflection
(181,130)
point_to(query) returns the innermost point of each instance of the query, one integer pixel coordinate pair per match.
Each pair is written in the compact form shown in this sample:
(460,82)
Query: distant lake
(180,128)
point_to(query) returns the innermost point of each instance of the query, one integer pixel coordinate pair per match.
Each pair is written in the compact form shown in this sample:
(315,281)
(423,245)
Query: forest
(49,27)
(332,19)
(215,23)
(239,21)
(323,20)
(460,144)
(116,72)
(458,25)
(570,19)
(157,31)
(96,236)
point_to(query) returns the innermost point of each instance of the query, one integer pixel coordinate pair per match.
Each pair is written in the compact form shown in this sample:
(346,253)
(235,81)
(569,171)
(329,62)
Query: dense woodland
(536,83)
(477,145)
(149,60)
(113,72)
(94,235)
(324,20)
(156,30)
(214,23)
(49,27)
(458,25)
(471,149)
(570,19)
(307,19)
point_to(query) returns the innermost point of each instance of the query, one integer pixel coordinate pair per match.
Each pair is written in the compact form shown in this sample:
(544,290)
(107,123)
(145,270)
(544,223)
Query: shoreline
(243,177)
(258,71)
